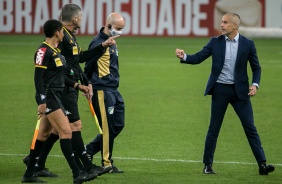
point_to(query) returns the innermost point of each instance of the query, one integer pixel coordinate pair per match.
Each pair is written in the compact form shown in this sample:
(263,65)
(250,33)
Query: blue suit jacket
(216,49)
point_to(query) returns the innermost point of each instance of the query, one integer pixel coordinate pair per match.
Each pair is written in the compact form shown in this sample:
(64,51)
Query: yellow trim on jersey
(67,32)
(75,49)
(51,47)
(38,66)
(105,129)
(104,64)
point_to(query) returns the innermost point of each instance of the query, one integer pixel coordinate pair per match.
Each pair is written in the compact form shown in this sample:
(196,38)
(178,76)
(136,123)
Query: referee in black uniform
(49,81)
(71,17)
(103,72)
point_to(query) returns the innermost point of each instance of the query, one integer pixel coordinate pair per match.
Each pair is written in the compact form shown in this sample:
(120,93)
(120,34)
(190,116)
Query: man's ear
(57,34)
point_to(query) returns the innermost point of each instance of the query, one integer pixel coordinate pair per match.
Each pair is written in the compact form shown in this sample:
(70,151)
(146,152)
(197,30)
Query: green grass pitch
(167,115)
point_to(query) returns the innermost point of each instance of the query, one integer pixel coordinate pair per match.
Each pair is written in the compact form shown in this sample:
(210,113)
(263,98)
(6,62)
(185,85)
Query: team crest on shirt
(111,110)
(40,56)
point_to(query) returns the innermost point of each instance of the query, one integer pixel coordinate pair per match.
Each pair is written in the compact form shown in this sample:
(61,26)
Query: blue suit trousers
(222,96)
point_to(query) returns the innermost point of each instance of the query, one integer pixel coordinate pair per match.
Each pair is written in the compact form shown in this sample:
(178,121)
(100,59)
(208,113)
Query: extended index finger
(115,36)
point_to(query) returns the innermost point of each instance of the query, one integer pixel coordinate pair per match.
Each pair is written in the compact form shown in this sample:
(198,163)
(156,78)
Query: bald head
(115,18)
(114,24)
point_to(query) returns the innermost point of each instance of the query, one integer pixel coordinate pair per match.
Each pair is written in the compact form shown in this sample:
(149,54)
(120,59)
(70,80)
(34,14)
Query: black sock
(45,151)
(78,146)
(77,161)
(32,158)
(66,148)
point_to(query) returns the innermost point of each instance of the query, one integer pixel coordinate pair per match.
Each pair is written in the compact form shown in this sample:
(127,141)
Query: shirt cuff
(184,58)
(255,84)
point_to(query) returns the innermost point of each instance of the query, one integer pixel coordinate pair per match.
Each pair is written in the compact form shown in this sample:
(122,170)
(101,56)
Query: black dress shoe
(208,169)
(264,169)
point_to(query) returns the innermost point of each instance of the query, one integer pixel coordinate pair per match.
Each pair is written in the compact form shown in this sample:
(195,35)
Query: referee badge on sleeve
(75,50)
(58,62)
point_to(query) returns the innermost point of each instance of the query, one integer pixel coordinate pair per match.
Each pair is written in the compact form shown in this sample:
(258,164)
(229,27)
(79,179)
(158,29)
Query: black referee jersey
(53,64)
(74,55)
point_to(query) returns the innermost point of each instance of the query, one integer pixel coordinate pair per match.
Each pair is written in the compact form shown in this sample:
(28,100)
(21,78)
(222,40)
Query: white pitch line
(186,161)
(152,159)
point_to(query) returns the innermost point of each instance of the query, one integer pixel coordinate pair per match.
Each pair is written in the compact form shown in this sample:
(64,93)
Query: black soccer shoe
(83,177)
(26,160)
(45,173)
(92,172)
(114,169)
(32,179)
(101,170)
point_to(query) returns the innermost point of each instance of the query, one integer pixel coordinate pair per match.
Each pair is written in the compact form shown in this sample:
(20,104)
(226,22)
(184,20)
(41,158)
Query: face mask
(114,32)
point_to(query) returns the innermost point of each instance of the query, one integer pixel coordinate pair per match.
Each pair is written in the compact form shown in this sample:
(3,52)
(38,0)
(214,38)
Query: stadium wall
(147,17)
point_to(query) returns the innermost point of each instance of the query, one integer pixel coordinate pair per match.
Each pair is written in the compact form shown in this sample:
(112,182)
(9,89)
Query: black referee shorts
(53,100)
(70,99)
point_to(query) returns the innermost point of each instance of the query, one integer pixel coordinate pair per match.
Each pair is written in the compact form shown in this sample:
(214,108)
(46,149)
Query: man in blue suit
(228,83)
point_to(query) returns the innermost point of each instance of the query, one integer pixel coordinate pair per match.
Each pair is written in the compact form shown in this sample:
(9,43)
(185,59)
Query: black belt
(226,84)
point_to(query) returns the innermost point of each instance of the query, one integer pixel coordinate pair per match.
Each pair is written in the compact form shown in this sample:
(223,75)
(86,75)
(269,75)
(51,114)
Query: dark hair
(68,12)
(50,27)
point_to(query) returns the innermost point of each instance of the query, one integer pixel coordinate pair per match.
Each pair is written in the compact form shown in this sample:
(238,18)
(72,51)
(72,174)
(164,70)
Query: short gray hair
(235,18)
(68,12)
